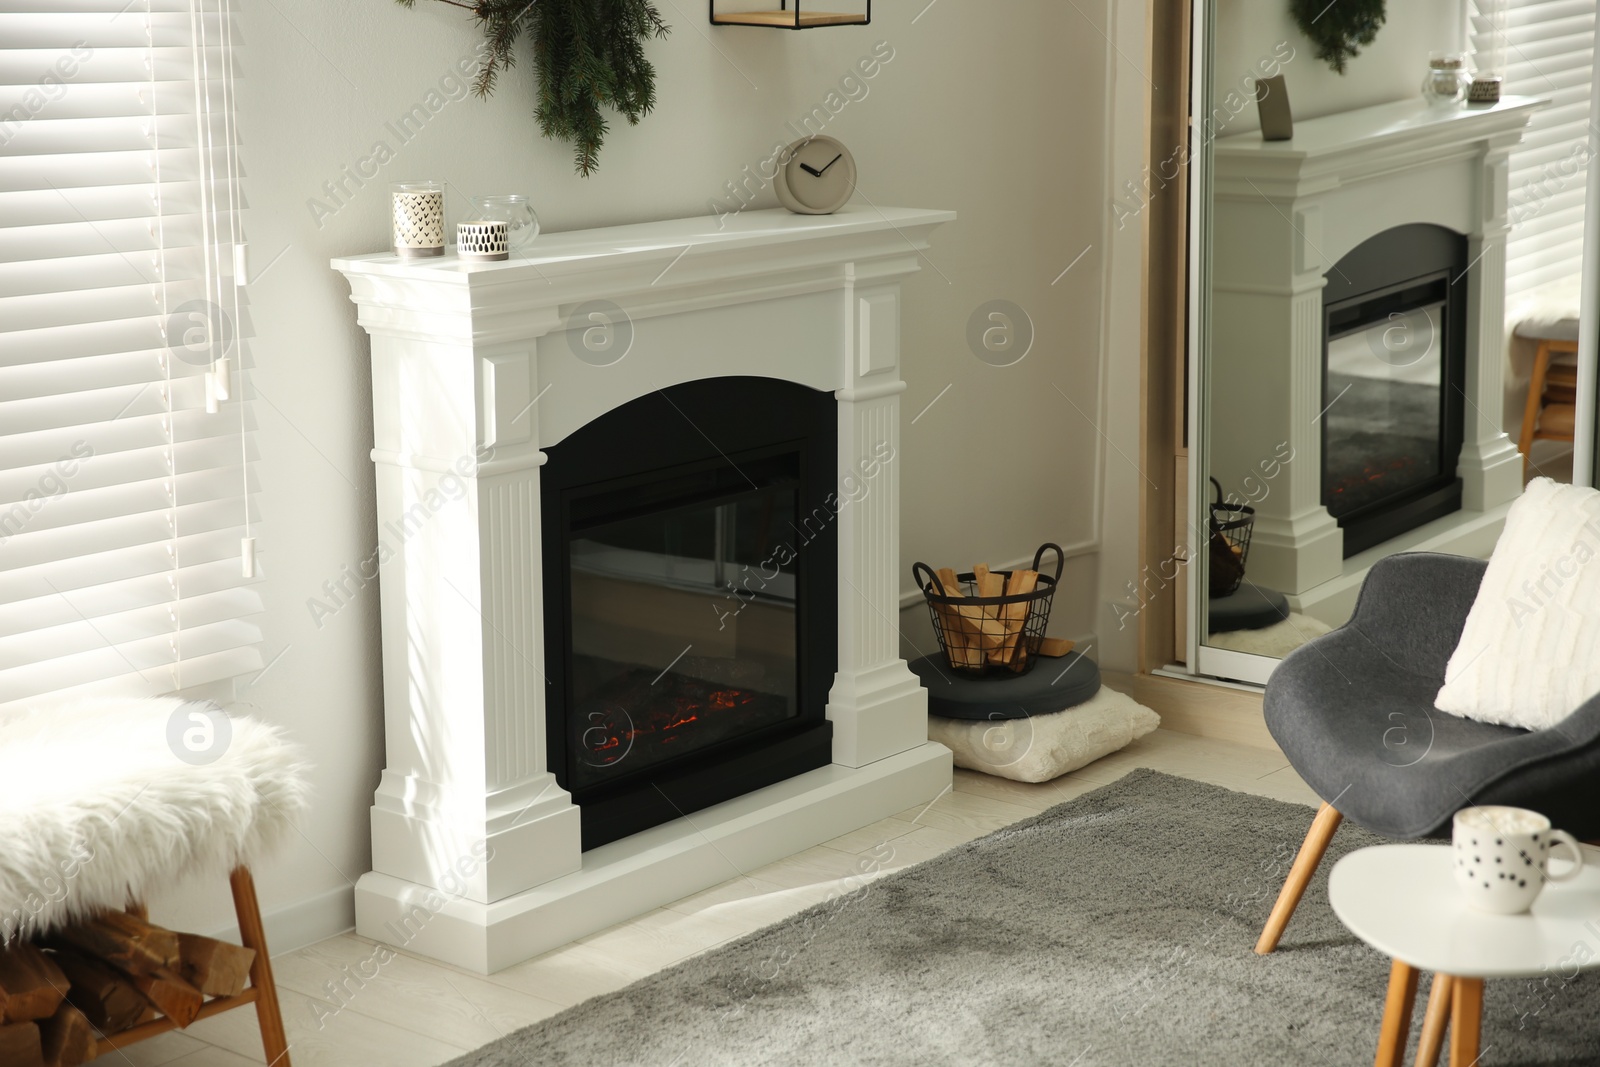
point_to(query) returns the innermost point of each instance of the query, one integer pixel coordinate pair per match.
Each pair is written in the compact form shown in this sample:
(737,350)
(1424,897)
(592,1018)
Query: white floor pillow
(1046,746)
(1530,653)
(1277,640)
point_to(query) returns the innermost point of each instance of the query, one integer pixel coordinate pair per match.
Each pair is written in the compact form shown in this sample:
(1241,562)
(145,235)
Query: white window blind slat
(125,482)
(1542,48)
(103,569)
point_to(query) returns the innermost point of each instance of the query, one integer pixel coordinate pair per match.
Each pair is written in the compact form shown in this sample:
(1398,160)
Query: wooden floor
(408,1011)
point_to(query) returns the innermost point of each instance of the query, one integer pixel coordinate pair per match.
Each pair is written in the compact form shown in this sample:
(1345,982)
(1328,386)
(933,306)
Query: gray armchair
(1354,713)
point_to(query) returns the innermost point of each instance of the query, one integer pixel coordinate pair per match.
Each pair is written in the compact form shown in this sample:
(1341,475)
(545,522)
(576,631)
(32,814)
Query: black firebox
(1394,360)
(690,560)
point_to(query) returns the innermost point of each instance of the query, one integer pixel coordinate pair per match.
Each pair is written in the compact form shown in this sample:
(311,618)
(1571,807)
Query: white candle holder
(483,240)
(418,219)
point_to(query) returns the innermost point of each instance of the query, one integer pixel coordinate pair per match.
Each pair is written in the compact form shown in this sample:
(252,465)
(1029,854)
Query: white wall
(996,111)
(1391,68)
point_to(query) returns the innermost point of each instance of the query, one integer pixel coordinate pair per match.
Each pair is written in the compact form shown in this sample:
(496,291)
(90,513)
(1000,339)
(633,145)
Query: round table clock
(819,177)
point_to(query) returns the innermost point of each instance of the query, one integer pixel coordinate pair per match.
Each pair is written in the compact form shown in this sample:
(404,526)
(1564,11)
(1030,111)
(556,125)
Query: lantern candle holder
(483,240)
(418,219)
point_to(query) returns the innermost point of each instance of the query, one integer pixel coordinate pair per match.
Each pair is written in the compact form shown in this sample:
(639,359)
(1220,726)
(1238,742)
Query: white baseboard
(628,878)
(306,922)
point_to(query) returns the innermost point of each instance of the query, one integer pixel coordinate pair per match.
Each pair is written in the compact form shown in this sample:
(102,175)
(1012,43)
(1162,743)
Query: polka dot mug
(1502,854)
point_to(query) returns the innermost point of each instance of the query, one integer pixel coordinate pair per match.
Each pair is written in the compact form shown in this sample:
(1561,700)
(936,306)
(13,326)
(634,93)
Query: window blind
(125,439)
(1543,48)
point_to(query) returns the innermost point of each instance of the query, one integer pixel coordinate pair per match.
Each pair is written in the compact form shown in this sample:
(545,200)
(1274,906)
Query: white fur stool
(104,802)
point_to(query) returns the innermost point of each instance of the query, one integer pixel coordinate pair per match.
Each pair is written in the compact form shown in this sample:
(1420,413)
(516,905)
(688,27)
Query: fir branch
(589,56)
(1340,30)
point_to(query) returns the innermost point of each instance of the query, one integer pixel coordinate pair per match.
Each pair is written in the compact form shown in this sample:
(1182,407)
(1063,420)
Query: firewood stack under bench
(107,982)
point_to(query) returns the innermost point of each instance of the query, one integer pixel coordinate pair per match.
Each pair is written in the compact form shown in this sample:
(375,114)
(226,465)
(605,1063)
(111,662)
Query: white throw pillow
(1043,747)
(1530,653)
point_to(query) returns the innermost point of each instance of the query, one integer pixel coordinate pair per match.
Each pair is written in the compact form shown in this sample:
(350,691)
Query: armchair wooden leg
(1397,1007)
(1466,1021)
(1440,997)
(1535,404)
(254,935)
(1305,865)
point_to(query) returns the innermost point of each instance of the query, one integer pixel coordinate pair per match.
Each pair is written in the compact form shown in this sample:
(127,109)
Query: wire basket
(983,635)
(1231,526)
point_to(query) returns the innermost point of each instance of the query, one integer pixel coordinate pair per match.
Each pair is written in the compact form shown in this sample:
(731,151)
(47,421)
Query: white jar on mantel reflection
(1447,81)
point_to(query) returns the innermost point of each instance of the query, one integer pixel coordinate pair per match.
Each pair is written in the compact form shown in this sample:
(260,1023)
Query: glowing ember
(636,718)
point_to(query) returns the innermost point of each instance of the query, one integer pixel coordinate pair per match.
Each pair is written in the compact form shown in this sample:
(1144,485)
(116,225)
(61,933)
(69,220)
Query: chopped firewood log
(125,942)
(1013,617)
(216,968)
(34,985)
(1055,646)
(988,583)
(948,583)
(106,996)
(169,994)
(20,1045)
(978,628)
(960,647)
(67,1037)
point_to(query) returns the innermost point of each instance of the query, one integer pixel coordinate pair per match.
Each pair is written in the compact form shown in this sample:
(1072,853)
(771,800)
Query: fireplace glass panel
(1385,426)
(684,631)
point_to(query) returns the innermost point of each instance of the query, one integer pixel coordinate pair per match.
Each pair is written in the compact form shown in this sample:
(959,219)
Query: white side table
(1403,901)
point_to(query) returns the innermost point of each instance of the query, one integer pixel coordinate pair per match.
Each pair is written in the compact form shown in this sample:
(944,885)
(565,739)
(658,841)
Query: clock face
(819,178)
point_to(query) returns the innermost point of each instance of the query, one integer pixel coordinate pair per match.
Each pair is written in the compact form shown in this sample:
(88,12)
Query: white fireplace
(1286,213)
(479,367)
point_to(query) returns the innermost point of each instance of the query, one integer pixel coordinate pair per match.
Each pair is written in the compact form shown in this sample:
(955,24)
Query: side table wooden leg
(1397,1015)
(1466,1021)
(1440,996)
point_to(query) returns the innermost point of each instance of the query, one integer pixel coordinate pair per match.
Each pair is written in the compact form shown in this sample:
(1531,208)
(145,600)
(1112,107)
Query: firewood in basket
(961,648)
(1055,646)
(106,996)
(1014,617)
(20,1045)
(67,1037)
(33,983)
(979,629)
(989,584)
(125,942)
(216,968)
(984,633)
(170,995)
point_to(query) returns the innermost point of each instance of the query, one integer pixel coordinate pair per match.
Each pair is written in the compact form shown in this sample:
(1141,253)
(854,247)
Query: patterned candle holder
(483,240)
(1485,89)
(418,219)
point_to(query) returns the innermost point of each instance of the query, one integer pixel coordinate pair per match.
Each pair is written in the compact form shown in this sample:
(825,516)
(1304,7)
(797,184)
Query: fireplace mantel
(1353,145)
(1285,213)
(477,367)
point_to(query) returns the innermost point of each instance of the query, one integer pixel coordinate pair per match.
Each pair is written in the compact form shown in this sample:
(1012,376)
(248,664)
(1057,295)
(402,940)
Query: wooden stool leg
(254,935)
(1466,1021)
(1535,404)
(1440,996)
(1294,886)
(1397,1015)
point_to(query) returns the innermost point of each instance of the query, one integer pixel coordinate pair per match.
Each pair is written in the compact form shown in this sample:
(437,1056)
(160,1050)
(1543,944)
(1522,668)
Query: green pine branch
(1340,30)
(589,56)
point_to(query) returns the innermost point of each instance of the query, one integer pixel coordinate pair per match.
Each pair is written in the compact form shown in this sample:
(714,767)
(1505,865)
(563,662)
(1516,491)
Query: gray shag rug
(1116,928)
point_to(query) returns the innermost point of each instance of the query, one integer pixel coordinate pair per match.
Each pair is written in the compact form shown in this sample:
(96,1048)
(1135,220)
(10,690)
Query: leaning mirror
(1387,312)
